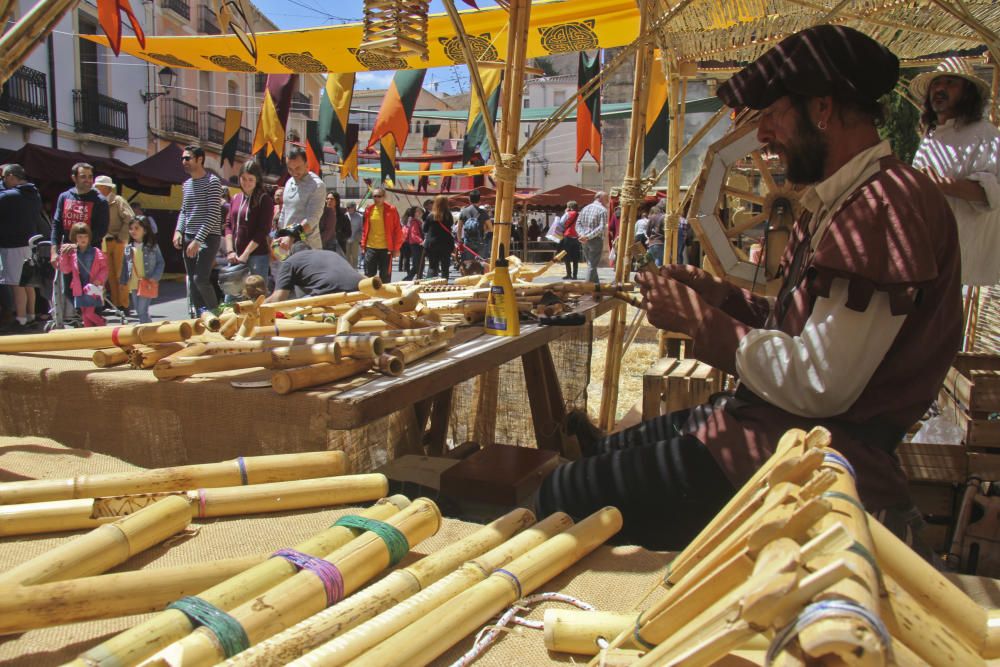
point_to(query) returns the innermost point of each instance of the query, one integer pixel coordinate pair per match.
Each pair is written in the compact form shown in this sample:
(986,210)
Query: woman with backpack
(438,240)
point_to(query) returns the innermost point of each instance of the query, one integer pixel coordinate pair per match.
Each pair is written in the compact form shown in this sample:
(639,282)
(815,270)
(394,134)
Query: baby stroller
(39,272)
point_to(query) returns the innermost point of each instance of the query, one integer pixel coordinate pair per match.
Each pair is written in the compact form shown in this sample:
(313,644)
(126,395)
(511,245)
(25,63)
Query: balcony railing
(213,128)
(25,94)
(302,104)
(181,7)
(94,113)
(208,24)
(243,141)
(179,117)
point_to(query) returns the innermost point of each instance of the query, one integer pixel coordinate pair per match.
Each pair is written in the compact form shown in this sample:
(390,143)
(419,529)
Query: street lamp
(167,78)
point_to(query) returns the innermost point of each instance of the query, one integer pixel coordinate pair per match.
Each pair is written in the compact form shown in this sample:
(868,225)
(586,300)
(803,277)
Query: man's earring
(821,126)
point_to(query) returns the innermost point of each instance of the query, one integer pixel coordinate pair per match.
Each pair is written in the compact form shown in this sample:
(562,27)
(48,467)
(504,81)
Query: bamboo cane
(245,470)
(303,594)
(211,320)
(393,589)
(84,513)
(108,357)
(145,639)
(27,33)
(378,311)
(285,382)
(291,356)
(432,635)
(298,329)
(335,299)
(529,275)
(148,359)
(111,595)
(105,546)
(373,631)
(390,364)
(97,337)
(229,324)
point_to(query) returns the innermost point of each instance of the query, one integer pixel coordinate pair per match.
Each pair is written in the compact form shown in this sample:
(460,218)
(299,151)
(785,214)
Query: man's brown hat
(818,61)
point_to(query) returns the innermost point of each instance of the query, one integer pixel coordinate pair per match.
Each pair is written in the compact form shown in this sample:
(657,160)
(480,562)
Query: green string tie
(226,629)
(395,541)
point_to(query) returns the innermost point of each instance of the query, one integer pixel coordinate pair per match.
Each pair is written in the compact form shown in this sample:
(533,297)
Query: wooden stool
(674,384)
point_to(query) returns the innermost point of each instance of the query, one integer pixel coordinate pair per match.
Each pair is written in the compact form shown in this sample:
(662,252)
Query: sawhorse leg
(548,411)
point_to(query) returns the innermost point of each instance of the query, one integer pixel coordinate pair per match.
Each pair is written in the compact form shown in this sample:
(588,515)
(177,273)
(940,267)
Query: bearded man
(858,340)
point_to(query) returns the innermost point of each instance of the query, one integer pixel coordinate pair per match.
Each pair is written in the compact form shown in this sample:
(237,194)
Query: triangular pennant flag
(110,18)
(657,118)
(430,131)
(475,128)
(231,135)
(270,132)
(349,158)
(334,109)
(314,147)
(588,110)
(387,158)
(397,107)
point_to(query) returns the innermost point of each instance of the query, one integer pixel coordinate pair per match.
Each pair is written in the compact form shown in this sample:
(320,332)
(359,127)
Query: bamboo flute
(432,635)
(211,320)
(145,639)
(376,598)
(245,470)
(287,381)
(111,356)
(353,643)
(304,593)
(412,351)
(376,311)
(111,595)
(335,299)
(97,337)
(374,287)
(952,606)
(83,513)
(297,329)
(290,356)
(105,546)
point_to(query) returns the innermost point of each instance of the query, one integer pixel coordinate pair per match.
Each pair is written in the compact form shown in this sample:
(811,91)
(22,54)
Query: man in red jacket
(381,236)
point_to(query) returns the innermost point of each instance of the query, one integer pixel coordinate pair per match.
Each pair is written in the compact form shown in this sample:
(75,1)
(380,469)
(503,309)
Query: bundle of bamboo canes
(145,639)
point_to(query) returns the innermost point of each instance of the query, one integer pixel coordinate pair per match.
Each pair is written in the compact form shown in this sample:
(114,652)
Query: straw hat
(105,181)
(949,67)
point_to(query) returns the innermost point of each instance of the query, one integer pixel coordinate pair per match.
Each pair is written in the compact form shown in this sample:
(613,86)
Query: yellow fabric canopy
(556,27)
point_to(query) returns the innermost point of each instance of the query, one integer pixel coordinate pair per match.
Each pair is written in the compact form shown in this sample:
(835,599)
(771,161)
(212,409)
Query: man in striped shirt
(199,226)
(591,226)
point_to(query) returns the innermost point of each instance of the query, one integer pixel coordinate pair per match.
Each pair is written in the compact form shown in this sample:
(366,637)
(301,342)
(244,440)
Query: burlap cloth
(612,579)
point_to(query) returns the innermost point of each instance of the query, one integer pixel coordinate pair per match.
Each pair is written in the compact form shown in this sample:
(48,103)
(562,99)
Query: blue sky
(289,14)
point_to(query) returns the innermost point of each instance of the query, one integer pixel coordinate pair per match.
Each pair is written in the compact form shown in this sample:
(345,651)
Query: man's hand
(178,240)
(232,257)
(713,290)
(192,249)
(670,304)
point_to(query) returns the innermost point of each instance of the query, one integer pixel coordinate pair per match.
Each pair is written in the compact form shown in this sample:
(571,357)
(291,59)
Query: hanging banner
(231,135)
(475,129)
(335,108)
(277,103)
(397,108)
(349,164)
(657,117)
(314,147)
(588,110)
(110,17)
(556,27)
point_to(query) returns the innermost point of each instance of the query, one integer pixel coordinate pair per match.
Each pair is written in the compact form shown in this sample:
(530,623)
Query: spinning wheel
(738,193)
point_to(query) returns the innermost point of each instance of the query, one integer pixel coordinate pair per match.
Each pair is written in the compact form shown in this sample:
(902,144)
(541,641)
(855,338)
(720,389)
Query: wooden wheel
(741,194)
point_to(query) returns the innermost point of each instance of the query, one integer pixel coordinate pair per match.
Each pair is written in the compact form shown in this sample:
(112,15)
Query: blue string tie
(513,577)
(830,457)
(244,478)
(826,609)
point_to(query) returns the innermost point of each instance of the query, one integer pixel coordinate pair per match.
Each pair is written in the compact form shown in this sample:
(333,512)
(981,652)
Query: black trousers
(377,262)
(667,486)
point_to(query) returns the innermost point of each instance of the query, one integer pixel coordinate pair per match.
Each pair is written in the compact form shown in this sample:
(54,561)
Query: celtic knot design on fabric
(231,63)
(168,59)
(482,49)
(302,63)
(378,61)
(569,37)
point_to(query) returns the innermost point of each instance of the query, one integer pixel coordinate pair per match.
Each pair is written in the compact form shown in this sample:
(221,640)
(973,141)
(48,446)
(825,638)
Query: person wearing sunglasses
(199,228)
(381,236)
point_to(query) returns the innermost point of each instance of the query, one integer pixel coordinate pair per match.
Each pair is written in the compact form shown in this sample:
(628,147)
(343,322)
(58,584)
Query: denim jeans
(199,272)
(593,249)
(141,306)
(259,265)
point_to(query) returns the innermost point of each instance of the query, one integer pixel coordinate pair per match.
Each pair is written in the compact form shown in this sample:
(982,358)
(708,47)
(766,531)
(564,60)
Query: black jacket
(437,235)
(20,208)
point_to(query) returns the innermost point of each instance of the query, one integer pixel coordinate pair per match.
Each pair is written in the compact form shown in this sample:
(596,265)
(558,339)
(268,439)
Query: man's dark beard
(805,155)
